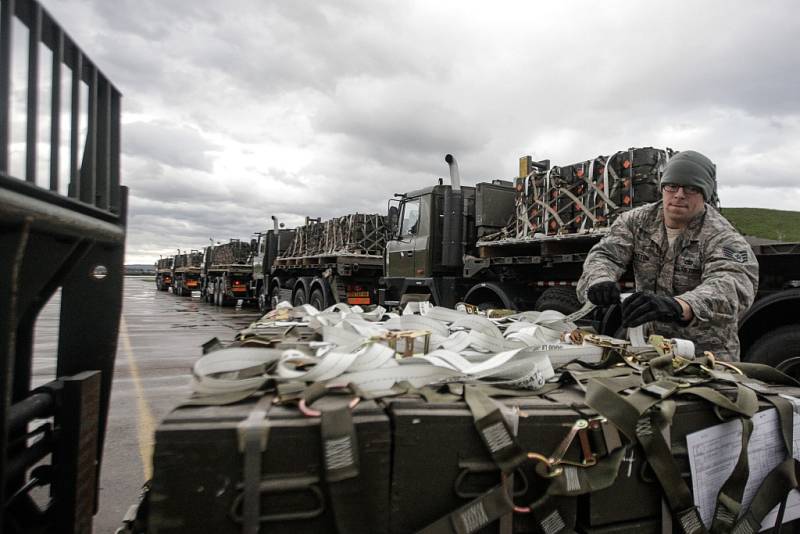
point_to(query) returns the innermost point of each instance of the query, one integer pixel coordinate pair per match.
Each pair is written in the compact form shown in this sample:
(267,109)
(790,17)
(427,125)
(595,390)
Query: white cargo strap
(355,351)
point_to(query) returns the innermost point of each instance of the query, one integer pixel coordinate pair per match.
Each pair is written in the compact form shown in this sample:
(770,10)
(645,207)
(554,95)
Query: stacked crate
(586,196)
(357,233)
(234,252)
(189,259)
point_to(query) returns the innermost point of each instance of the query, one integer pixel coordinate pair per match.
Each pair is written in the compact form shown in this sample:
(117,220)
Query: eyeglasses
(687,189)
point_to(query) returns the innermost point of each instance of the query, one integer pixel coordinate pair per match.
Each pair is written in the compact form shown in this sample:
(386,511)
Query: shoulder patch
(737,255)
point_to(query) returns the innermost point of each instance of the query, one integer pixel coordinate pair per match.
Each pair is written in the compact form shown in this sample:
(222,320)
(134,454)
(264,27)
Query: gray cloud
(236,112)
(164,143)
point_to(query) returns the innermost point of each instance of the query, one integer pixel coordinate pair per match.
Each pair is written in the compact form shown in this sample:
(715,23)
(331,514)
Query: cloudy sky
(234,111)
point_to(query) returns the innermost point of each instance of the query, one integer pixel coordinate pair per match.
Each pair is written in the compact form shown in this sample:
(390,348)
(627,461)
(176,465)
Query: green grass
(769,224)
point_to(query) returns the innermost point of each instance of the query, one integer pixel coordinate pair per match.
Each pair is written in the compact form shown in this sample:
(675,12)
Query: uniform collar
(658,232)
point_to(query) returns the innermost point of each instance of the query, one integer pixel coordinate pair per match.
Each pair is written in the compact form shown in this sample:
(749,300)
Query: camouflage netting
(191,259)
(585,196)
(357,233)
(234,252)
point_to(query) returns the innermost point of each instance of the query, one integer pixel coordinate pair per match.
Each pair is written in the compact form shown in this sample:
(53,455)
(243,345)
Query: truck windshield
(410,223)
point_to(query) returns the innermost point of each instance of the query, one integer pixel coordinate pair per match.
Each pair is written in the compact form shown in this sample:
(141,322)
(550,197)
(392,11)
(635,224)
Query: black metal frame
(50,241)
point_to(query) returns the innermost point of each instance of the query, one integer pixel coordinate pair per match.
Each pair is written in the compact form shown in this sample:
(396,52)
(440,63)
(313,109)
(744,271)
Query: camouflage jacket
(710,267)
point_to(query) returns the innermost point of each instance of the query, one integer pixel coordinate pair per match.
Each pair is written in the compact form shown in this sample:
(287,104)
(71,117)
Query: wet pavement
(160,339)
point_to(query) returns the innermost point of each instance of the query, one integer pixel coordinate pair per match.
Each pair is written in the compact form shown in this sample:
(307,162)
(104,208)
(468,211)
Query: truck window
(410,223)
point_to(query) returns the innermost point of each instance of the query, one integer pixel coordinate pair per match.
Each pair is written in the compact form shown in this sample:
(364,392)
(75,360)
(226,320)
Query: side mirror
(393,216)
(253,244)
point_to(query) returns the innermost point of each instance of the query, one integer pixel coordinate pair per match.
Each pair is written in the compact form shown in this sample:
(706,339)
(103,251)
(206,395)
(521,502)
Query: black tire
(263,300)
(299,297)
(777,346)
(317,299)
(274,297)
(561,299)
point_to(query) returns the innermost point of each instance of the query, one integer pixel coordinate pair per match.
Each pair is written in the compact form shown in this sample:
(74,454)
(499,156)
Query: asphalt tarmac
(160,339)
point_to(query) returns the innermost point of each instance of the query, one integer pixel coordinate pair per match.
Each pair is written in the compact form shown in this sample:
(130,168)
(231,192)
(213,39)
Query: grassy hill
(769,224)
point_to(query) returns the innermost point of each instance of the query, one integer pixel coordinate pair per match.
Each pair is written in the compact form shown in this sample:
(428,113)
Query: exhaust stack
(453,223)
(455,177)
(275,224)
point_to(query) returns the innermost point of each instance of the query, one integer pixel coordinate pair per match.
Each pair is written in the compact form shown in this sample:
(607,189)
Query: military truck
(270,244)
(339,260)
(186,272)
(57,236)
(226,273)
(164,274)
(521,244)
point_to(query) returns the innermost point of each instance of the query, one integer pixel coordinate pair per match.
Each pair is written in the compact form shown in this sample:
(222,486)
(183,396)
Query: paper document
(713,453)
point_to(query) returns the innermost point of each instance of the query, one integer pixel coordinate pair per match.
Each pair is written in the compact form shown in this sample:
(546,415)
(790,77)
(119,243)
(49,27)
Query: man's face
(681,204)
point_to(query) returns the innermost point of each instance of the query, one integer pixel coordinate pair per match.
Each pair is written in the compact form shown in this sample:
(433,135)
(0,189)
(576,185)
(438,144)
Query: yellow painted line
(145,422)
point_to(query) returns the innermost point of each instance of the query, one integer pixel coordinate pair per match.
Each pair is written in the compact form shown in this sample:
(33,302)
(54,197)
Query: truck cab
(268,246)
(436,230)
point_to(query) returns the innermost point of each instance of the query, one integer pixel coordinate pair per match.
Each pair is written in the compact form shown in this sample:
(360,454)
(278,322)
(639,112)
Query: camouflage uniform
(710,267)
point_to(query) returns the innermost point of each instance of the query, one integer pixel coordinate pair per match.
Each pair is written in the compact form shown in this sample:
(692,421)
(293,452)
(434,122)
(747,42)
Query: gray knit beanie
(692,168)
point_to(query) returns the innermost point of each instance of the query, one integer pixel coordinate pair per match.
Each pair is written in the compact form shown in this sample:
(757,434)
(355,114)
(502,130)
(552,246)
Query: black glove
(603,294)
(641,308)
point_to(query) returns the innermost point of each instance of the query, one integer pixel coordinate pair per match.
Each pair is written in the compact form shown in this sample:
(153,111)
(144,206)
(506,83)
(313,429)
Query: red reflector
(236,282)
(240,289)
(579,174)
(358,300)
(626,164)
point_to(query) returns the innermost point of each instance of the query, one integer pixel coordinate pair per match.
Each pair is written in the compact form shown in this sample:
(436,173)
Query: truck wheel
(317,299)
(776,346)
(274,297)
(263,300)
(299,297)
(562,299)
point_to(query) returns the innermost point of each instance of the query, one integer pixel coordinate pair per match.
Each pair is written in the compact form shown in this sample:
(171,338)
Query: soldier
(695,275)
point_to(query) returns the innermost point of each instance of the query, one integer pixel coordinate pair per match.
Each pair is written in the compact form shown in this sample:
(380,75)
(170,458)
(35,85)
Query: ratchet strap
(474,515)
(340,459)
(253,435)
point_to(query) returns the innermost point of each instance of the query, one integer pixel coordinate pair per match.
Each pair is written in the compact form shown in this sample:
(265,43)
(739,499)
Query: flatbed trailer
(322,262)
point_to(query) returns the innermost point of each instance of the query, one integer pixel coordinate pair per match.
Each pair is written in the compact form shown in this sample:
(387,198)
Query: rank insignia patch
(739,256)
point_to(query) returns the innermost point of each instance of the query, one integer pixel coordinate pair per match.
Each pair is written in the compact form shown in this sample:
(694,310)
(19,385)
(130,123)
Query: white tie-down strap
(446,314)
(365,329)
(232,369)
(479,324)
(520,368)
(418,374)
(531,334)
(294,365)
(461,347)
